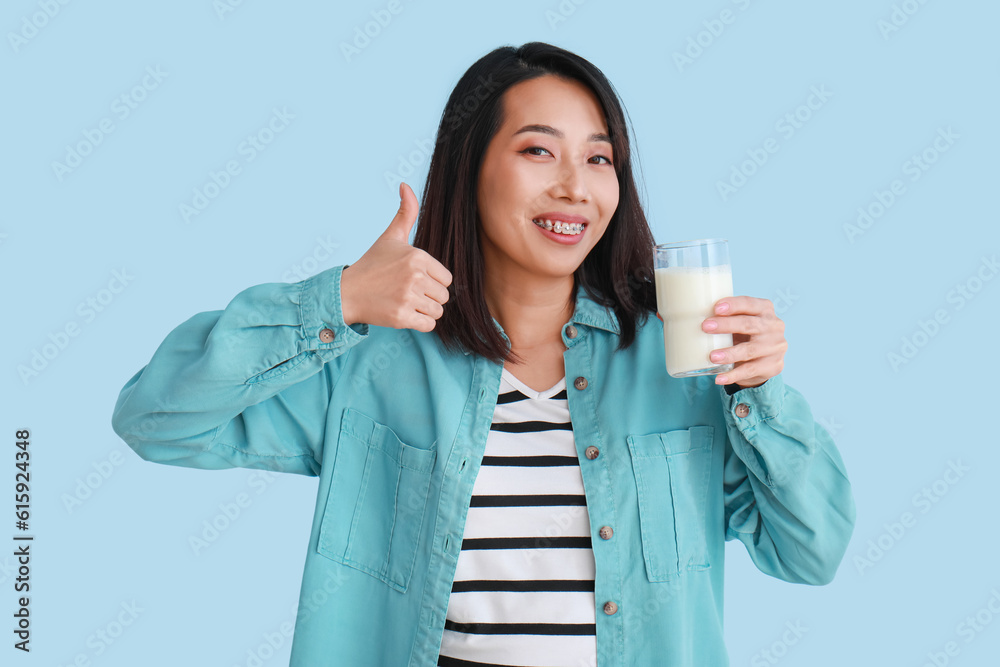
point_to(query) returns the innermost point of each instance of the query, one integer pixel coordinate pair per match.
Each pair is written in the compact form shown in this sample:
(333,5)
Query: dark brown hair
(618,271)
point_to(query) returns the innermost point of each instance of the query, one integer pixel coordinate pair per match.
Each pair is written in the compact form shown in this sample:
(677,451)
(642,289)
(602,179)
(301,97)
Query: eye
(529,150)
(534,148)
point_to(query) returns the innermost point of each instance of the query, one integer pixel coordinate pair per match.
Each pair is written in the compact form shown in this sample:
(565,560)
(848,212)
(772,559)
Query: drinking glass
(690,277)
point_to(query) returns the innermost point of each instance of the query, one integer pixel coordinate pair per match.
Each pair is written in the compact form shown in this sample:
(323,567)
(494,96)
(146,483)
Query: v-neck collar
(531,393)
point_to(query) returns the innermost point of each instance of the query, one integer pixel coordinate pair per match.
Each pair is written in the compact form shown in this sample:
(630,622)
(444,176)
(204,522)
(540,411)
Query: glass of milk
(690,277)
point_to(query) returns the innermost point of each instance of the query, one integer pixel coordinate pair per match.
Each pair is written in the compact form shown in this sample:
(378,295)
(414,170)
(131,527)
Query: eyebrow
(548,129)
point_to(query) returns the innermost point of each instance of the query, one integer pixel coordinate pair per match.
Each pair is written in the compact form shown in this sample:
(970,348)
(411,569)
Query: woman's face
(550,159)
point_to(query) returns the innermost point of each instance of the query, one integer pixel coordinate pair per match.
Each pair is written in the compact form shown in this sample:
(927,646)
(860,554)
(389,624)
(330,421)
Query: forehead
(554,101)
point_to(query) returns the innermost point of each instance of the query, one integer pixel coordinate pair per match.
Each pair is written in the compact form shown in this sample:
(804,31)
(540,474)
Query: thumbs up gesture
(394,284)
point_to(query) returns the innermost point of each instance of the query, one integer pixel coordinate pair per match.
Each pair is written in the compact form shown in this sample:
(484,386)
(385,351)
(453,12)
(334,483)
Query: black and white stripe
(524,586)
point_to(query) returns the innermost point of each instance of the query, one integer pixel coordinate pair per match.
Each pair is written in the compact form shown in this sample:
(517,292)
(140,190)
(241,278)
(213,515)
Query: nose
(571,183)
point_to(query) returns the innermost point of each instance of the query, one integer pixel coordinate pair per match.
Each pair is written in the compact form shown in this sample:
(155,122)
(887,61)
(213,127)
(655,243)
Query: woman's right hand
(394,284)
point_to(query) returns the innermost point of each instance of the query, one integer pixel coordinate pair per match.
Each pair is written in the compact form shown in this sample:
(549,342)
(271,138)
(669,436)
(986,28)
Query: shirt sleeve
(787,495)
(248,386)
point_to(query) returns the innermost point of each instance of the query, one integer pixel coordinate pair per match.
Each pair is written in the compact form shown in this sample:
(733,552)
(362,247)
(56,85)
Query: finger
(435,290)
(753,372)
(430,308)
(747,373)
(401,225)
(438,271)
(742,305)
(422,322)
(753,349)
(745,324)
(743,383)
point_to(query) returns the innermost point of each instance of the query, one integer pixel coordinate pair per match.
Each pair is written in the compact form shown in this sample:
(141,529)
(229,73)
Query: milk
(685,297)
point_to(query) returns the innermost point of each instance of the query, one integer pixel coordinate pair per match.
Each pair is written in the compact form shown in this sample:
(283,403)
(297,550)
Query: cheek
(525,189)
(505,190)
(609,195)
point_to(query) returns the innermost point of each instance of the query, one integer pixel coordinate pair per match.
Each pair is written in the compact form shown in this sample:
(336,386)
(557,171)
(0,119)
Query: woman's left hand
(759,343)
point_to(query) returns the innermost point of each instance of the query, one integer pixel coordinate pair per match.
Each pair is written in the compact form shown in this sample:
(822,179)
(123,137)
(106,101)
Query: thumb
(402,223)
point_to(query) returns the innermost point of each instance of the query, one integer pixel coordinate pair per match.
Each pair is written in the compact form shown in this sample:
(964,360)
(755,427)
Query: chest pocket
(375,505)
(671,476)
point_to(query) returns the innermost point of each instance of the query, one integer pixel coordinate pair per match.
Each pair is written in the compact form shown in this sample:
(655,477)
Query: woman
(507,474)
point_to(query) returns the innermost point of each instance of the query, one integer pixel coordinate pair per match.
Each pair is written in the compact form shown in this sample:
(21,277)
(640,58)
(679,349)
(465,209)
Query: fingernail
(716,356)
(711,325)
(722,307)
(722,379)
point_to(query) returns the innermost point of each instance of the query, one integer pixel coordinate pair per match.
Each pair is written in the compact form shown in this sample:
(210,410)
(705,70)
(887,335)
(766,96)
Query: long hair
(618,271)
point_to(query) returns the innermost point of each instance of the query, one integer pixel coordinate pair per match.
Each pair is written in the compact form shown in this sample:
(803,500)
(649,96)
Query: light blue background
(322,183)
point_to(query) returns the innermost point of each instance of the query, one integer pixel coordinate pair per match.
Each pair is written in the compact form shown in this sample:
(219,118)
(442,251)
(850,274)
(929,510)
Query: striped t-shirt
(524,586)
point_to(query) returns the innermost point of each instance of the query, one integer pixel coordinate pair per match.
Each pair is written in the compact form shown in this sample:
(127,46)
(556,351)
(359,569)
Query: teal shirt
(395,427)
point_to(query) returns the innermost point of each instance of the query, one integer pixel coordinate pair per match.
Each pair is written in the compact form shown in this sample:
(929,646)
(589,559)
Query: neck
(531,309)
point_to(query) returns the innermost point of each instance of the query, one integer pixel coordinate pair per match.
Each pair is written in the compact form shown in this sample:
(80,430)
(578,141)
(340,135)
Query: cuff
(319,303)
(748,406)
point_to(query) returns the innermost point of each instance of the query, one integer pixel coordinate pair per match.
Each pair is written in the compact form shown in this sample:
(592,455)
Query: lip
(561,238)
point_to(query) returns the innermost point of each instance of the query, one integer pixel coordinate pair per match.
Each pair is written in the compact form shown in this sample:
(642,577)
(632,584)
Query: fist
(394,284)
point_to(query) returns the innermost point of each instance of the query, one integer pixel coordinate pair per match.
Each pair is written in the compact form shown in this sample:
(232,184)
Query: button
(326,335)
(610,607)
(571,331)
(742,410)
(606,532)
(592,452)
(580,383)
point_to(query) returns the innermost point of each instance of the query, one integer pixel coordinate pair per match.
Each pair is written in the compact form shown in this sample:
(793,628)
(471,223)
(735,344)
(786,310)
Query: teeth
(560,227)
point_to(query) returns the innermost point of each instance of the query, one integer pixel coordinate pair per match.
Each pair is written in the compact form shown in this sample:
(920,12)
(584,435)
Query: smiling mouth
(560,227)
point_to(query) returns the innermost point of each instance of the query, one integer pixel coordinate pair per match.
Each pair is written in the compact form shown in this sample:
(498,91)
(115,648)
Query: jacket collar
(593,314)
